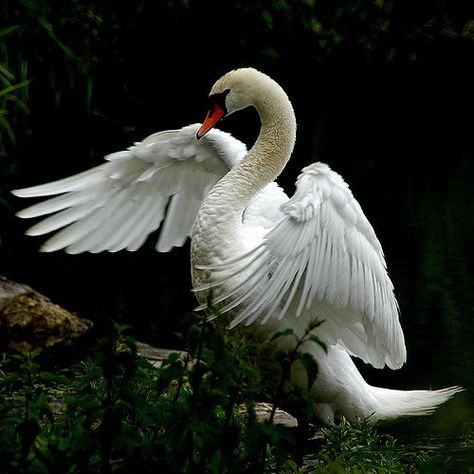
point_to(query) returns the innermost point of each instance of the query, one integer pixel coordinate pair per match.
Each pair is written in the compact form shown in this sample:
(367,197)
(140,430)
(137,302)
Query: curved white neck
(217,232)
(269,155)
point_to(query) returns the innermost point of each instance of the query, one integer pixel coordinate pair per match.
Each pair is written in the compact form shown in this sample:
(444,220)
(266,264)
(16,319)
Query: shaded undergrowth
(115,412)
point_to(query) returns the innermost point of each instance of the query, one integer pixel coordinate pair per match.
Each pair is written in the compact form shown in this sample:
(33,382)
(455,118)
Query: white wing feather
(323,260)
(118,204)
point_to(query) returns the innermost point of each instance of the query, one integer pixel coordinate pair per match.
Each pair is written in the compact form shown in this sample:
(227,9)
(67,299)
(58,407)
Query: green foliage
(386,30)
(291,354)
(45,52)
(359,448)
(13,92)
(114,412)
(119,414)
(52,49)
(26,416)
(208,434)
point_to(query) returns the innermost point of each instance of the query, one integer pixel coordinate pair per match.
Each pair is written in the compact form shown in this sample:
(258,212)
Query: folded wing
(323,260)
(118,204)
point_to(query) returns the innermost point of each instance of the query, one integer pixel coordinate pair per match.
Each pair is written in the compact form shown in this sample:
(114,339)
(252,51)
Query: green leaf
(44,23)
(311,367)
(316,340)
(315,323)
(8,30)
(7,128)
(286,332)
(282,357)
(268,18)
(5,75)
(13,87)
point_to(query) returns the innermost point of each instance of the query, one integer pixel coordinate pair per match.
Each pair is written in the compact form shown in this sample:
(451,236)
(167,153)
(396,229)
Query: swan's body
(269,259)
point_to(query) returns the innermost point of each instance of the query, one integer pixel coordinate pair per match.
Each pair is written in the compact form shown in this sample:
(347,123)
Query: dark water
(428,234)
(408,160)
(431,262)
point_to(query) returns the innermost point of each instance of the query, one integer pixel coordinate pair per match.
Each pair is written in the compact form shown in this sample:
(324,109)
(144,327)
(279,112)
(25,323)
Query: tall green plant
(13,92)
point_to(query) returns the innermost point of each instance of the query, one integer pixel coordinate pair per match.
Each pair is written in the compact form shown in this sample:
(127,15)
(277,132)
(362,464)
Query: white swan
(271,260)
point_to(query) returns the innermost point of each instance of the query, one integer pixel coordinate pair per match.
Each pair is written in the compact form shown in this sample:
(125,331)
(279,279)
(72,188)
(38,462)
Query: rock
(281,417)
(31,321)
(156,355)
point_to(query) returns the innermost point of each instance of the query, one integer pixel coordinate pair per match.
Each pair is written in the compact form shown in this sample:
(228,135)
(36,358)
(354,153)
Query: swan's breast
(223,231)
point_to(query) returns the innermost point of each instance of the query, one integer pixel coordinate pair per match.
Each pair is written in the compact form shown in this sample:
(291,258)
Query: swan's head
(234,91)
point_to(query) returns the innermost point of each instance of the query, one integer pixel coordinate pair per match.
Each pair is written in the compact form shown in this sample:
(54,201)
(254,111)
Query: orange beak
(216,112)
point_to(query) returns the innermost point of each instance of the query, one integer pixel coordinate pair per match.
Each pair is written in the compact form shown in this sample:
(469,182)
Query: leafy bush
(118,413)
(360,448)
(115,412)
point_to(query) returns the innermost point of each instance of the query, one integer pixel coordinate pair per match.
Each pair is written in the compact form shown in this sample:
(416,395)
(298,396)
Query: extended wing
(116,205)
(322,260)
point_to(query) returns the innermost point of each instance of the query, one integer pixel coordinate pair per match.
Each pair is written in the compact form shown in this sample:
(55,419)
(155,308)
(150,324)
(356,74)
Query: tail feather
(392,404)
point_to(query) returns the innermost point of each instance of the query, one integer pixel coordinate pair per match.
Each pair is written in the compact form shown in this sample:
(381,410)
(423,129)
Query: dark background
(383,92)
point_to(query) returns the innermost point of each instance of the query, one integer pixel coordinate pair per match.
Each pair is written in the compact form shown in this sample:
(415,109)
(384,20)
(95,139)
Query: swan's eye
(218,100)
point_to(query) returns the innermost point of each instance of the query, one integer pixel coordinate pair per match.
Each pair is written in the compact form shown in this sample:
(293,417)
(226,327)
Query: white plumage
(324,258)
(268,259)
(116,205)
